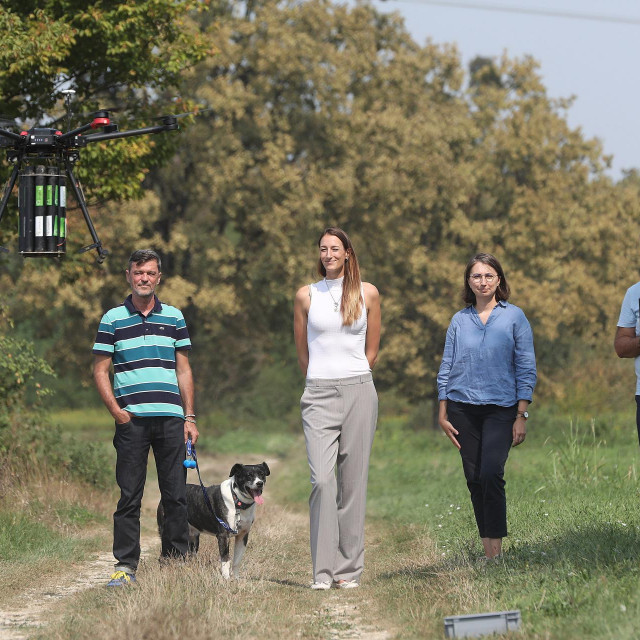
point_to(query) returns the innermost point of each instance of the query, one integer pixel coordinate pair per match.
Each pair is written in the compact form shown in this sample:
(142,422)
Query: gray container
(481,624)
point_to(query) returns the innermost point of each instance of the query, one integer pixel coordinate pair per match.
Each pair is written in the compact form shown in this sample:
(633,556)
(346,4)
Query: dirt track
(35,606)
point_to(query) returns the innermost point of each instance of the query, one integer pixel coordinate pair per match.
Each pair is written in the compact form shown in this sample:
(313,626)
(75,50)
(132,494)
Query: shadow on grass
(587,548)
(288,583)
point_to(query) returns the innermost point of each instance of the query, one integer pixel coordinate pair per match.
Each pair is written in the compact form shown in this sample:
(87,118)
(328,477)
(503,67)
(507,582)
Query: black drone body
(43,159)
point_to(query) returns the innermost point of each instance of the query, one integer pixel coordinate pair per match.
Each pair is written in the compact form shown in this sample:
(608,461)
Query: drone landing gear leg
(7,192)
(97,245)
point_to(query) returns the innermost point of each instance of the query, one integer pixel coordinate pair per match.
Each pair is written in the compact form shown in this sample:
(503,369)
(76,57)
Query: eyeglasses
(477,277)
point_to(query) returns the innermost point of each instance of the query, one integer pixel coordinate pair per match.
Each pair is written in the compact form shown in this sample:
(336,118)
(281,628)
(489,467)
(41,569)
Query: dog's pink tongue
(259,500)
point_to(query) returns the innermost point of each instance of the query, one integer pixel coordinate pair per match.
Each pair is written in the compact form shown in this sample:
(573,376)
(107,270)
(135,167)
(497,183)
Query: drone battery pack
(42,211)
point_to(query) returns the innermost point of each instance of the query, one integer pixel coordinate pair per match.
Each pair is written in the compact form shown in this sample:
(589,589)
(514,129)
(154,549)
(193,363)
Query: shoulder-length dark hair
(351,303)
(502,292)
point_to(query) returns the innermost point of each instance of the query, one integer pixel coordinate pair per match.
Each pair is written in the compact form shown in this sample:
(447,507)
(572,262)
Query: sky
(594,58)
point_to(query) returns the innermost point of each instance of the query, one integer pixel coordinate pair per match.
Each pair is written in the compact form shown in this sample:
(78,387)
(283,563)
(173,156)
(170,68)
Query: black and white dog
(234,505)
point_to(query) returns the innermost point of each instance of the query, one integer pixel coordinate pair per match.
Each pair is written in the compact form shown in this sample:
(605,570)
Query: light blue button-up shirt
(630,318)
(492,363)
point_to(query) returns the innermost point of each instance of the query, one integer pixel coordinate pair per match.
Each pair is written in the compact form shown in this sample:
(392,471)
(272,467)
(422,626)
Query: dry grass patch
(271,600)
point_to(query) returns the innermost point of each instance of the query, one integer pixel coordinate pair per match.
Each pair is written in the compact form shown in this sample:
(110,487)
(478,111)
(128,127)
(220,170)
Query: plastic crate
(481,624)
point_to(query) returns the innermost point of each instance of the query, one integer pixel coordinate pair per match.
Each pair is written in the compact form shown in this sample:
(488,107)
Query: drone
(43,160)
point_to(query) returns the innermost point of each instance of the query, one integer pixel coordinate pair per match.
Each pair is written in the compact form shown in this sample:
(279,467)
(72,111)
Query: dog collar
(239,504)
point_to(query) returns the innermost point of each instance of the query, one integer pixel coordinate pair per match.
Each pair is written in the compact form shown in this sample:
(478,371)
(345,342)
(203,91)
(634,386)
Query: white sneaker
(346,584)
(321,585)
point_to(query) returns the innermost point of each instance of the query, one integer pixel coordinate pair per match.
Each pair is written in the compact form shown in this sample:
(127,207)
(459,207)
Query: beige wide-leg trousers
(339,420)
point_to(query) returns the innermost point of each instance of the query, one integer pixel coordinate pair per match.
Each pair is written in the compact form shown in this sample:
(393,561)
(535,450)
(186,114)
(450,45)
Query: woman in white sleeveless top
(337,335)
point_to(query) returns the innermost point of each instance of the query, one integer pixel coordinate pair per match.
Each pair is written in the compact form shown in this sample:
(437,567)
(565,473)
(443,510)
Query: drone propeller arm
(75,132)
(133,132)
(10,134)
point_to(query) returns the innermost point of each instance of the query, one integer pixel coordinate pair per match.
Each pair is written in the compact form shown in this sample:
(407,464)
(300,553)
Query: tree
(324,114)
(123,53)
(128,54)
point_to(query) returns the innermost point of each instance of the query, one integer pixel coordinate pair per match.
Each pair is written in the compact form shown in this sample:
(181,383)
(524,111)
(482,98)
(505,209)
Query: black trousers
(165,434)
(485,437)
(638,415)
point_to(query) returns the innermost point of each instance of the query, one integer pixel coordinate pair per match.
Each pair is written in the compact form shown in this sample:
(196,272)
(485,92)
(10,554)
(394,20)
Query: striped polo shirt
(144,359)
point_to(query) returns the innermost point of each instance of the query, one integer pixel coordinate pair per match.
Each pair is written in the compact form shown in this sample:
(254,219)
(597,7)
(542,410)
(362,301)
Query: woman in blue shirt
(485,384)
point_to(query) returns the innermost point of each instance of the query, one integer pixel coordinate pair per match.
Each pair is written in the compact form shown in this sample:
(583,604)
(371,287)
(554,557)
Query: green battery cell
(40,195)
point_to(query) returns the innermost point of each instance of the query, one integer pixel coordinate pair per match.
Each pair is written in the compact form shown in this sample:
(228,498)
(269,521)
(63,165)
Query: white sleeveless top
(335,350)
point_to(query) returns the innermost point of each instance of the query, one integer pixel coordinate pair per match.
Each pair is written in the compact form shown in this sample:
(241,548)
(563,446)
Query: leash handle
(189,464)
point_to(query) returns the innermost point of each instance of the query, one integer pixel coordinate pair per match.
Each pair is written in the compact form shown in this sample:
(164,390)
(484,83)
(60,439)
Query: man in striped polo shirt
(152,404)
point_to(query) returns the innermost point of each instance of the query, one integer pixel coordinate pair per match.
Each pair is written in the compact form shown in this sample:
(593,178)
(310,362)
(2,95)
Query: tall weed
(579,458)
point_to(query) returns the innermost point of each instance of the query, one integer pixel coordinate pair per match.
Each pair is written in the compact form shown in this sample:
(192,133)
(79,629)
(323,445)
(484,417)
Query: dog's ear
(237,467)
(266,469)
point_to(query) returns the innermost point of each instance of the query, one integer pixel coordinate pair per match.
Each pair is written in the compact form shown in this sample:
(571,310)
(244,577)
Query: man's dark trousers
(165,434)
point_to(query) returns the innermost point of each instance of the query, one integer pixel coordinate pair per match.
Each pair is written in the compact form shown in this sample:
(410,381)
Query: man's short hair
(141,256)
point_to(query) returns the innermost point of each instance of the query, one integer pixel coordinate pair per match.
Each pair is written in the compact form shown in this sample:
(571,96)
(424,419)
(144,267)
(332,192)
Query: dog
(234,502)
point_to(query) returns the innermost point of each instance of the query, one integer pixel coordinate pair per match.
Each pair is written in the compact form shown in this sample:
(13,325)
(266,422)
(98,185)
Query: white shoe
(346,584)
(321,585)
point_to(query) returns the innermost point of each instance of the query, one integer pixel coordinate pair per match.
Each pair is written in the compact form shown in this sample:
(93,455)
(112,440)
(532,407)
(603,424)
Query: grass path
(571,565)
(273,600)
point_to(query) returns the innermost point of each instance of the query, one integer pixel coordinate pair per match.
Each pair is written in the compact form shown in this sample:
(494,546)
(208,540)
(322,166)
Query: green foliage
(242,441)
(20,369)
(29,443)
(95,49)
(122,54)
(90,464)
(332,114)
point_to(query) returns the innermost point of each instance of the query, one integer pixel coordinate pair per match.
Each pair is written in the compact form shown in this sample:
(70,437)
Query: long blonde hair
(351,302)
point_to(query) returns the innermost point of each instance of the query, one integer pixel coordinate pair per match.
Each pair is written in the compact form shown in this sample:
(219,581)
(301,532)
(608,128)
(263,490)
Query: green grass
(92,424)
(31,549)
(572,563)
(246,442)
(25,540)
(572,559)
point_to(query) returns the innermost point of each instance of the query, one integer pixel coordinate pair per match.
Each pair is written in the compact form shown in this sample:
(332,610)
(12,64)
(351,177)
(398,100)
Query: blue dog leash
(193,464)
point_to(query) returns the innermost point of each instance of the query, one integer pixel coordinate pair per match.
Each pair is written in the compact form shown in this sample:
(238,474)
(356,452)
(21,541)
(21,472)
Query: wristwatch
(524,414)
